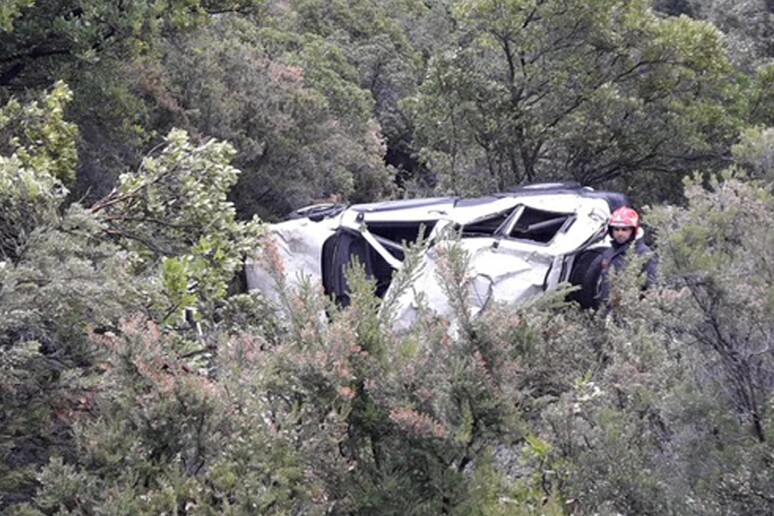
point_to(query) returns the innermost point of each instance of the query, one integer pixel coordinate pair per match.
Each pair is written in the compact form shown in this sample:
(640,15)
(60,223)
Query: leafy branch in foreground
(174,212)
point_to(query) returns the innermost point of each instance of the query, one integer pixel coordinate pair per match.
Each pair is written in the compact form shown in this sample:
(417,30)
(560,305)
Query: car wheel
(585,273)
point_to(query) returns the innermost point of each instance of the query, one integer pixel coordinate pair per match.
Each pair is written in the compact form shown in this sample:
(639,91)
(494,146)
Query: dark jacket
(615,257)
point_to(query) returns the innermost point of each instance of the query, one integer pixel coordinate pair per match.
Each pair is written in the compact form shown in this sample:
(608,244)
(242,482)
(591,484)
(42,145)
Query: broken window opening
(539,225)
(486,226)
(339,251)
(345,245)
(394,235)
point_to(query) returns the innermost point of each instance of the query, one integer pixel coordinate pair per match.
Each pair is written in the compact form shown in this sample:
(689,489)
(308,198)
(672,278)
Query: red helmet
(624,217)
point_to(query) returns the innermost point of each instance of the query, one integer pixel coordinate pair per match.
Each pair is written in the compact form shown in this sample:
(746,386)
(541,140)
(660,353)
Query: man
(624,228)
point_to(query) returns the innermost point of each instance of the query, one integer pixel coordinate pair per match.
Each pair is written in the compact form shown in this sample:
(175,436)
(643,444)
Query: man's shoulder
(641,247)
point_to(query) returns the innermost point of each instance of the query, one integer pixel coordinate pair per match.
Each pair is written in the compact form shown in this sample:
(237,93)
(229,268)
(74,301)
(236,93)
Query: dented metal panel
(498,272)
(297,245)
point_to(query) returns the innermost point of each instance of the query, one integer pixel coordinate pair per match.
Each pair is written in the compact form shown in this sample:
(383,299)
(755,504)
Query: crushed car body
(519,243)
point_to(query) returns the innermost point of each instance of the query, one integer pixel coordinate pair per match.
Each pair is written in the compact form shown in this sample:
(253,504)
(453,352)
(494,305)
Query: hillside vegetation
(144,143)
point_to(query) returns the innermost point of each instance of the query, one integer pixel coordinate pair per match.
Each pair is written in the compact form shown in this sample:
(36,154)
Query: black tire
(585,273)
(590,287)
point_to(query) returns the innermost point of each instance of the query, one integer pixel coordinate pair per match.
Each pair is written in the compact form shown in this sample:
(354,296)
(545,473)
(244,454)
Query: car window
(487,226)
(394,234)
(539,225)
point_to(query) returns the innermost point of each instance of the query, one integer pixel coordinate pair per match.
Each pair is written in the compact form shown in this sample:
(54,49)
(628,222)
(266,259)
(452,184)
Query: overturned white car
(519,243)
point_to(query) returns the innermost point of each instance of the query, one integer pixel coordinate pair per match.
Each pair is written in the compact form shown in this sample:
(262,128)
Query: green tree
(174,212)
(38,157)
(166,438)
(58,275)
(97,48)
(755,152)
(718,246)
(388,42)
(747,24)
(591,91)
(165,244)
(677,418)
(418,422)
(760,97)
(290,103)
(44,39)
(11,10)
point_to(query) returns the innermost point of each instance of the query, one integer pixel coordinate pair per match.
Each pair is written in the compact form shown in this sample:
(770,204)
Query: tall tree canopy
(291,103)
(40,39)
(591,91)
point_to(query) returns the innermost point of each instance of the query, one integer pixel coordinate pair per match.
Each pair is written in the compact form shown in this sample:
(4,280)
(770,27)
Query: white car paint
(501,268)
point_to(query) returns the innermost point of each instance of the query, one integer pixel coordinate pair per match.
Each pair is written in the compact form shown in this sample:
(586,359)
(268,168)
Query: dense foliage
(139,139)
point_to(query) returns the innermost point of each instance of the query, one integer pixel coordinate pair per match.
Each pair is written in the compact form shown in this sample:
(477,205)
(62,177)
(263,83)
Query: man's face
(622,235)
